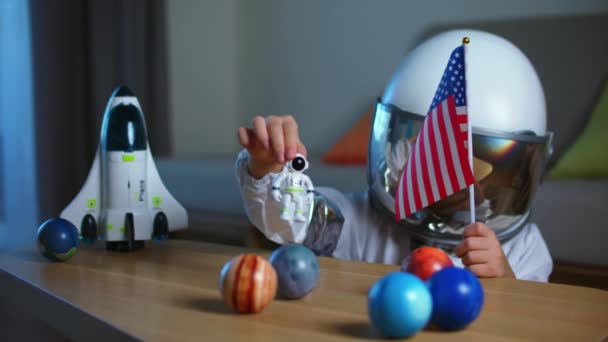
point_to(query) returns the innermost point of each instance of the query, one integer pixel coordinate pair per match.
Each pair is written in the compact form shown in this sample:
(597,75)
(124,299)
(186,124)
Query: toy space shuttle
(123,200)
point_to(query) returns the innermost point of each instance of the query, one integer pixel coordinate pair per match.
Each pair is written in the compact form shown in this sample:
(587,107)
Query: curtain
(82,50)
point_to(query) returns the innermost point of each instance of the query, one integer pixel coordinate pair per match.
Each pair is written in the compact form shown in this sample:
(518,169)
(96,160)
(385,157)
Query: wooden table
(169,291)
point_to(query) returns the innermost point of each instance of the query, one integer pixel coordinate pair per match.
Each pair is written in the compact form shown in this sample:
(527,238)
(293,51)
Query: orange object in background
(351,149)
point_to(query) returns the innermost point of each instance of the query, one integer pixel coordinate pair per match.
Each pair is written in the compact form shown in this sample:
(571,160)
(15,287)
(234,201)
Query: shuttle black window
(124,130)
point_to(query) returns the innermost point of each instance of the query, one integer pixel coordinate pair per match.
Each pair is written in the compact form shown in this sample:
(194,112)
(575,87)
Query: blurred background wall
(323,61)
(200,70)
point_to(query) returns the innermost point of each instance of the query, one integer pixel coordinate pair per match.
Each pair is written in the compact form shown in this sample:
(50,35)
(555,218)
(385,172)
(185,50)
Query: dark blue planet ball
(457,298)
(297,269)
(58,239)
(399,304)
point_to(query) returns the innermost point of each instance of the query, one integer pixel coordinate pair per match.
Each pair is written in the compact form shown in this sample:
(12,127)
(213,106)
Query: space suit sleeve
(324,228)
(262,211)
(309,186)
(529,256)
(276,182)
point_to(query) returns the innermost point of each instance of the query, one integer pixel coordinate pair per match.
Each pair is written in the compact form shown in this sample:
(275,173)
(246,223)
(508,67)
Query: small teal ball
(399,305)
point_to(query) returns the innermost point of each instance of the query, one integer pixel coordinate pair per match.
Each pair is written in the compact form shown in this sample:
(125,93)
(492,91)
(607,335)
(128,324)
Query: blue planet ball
(297,270)
(58,239)
(399,304)
(457,298)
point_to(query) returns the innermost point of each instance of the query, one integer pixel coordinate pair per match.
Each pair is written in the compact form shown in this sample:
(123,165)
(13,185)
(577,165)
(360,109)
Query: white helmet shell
(504,92)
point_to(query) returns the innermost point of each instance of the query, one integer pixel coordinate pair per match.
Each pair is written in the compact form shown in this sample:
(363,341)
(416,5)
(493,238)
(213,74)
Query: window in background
(18,202)
(2,207)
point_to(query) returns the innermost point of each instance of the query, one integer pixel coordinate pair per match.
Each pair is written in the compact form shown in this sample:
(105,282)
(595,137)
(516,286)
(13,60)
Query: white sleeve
(308,183)
(528,255)
(277,179)
(262,211)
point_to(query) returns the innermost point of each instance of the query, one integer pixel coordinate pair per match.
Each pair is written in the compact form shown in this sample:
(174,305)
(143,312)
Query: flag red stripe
(429,163)
(425,166)
(435,158)
(448,107)
(398,196)
(462,153)
(409,200)
(446,145)
(436,145)
(418,180)
(413,186)
(420,171)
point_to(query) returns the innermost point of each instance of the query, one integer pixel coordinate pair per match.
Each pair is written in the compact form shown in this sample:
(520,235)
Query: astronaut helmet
(507,112)
(298,164)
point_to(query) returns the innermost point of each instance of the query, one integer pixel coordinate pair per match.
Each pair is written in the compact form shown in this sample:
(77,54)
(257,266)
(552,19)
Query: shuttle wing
(88,200)
(162,200)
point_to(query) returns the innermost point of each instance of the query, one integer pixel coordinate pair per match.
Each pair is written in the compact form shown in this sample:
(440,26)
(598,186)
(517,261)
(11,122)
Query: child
(509,142)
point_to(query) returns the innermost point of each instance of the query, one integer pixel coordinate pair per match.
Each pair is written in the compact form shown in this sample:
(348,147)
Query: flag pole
(465,43)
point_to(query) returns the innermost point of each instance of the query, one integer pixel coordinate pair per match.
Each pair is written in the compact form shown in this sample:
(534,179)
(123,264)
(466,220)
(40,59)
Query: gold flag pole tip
(465,40)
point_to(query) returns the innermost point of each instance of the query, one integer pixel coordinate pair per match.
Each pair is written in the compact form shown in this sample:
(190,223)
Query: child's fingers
(243,137)
(261,131)
(277,139)
(472,243)
(302,149)
(290,130)
(477,229)
(485,270)
(476,257)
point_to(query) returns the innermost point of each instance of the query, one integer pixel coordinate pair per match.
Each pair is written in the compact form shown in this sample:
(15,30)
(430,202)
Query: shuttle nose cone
(123,127)
(122,91)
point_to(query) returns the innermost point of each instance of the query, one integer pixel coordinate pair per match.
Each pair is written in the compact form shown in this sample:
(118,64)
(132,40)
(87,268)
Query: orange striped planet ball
(248,283)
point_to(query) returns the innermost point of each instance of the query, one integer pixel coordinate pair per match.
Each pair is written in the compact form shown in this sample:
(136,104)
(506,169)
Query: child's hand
(271,142)
(482,253)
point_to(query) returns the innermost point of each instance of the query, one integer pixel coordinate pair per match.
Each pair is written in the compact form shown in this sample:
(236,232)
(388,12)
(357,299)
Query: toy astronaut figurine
(293,188)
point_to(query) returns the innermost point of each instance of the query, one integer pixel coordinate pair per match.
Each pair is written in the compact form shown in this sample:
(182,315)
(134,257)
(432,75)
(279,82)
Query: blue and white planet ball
(58,239)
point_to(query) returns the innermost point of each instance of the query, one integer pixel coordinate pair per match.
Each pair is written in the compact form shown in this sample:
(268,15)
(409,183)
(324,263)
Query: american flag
(438,165)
